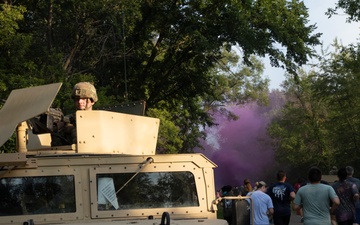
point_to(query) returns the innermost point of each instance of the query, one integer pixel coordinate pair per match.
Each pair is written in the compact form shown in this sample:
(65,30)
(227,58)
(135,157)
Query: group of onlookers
(317,202)
(338,203)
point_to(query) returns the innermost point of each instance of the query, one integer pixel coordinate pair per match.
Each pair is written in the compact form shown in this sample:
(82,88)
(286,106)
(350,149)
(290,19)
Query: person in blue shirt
(262,204)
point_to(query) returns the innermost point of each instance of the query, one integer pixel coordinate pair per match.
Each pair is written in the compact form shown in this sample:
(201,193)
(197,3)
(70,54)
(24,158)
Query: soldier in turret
(84,96)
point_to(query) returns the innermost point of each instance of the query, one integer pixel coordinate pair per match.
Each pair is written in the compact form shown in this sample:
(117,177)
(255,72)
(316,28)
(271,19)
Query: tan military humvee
(110,176)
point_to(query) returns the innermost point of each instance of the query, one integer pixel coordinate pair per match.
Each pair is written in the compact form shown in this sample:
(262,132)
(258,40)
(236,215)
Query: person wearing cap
(262,204)
(281,194)
(84,96)
(314,198)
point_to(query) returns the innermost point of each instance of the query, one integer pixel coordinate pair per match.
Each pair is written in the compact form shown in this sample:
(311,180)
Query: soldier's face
(83,104)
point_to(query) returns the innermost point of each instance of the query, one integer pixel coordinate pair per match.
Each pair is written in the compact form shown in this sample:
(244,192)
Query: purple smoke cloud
(240,148)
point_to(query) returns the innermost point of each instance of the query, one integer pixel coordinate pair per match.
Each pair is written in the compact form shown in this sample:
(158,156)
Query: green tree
(320,121)
(167,53)
(339,83)
(13,48)
(351,8)
(299,133)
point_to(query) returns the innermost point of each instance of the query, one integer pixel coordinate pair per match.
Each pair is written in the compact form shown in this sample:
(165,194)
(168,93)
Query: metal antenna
(124,49)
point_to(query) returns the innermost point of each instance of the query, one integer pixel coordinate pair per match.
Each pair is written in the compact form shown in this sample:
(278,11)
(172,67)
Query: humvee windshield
(146,190)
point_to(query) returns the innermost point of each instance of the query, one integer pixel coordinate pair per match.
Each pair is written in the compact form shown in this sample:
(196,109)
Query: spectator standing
(246,187)
(314,198)
(348,193)
(262,204)
(301,182)
(298,184)
(227,203)
(350,173)
(281,194)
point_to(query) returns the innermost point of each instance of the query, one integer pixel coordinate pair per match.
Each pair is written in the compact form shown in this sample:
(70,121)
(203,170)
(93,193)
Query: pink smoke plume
(240,148)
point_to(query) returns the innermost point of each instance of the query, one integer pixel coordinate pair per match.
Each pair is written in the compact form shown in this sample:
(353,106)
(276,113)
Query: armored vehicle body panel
(72,187)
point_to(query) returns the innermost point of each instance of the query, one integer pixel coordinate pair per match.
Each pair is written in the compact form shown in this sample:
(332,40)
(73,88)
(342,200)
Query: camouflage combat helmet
(84,90)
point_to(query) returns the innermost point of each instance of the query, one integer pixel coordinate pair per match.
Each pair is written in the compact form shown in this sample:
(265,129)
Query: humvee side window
(146,190)
(37,195)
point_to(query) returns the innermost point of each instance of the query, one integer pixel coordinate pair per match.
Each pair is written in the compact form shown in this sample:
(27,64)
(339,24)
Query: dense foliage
(319,124)
(174,54)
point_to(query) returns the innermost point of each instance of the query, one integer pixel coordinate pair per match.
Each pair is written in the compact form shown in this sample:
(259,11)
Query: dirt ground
(295,219)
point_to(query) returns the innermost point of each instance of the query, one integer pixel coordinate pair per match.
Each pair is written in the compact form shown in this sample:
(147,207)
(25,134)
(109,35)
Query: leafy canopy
(169,53)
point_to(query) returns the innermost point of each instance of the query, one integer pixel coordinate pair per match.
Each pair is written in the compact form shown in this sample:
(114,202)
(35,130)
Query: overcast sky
(335,27)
